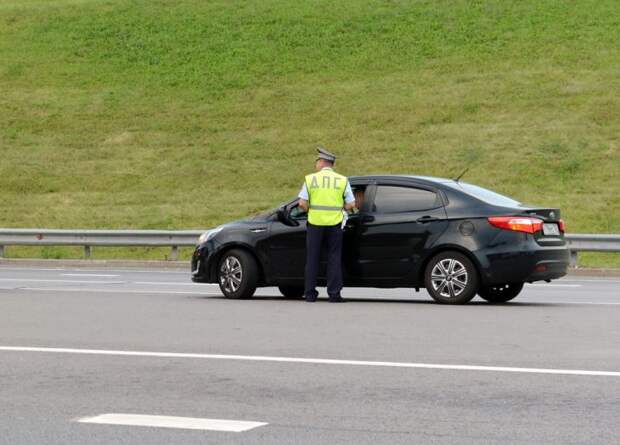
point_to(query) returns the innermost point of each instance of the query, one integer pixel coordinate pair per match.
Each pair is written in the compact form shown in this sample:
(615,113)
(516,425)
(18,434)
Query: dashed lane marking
(188,423)
(88,275)
(314,361)
(549,285)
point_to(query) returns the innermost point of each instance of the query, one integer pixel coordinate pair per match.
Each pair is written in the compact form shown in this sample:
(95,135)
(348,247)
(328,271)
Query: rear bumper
(529,262)
(548,270)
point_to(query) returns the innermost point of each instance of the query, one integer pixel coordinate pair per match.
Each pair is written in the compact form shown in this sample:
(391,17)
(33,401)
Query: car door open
(393,234)
(287,245)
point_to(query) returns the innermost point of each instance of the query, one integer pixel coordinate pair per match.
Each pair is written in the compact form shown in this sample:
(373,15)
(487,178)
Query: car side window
(359,193)
(397,199)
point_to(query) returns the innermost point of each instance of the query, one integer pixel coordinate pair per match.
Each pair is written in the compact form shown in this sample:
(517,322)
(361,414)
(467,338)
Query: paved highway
(93,356)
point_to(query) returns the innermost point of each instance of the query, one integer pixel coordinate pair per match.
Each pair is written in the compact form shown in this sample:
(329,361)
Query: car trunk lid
(552,233)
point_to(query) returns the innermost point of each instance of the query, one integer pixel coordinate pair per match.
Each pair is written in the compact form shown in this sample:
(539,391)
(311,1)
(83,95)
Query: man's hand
(350,206)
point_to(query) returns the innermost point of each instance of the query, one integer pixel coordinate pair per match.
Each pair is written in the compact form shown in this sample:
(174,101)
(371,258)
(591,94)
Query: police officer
(324,195)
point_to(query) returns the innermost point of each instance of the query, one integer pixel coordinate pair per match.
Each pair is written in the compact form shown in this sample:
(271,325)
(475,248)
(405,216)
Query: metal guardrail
(180,238)
(110,238)
(578,242)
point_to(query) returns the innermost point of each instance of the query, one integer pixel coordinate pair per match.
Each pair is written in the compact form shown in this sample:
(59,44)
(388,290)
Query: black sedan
(452,238)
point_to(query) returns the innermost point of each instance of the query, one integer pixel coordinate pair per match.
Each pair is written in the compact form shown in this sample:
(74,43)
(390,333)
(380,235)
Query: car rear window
(395,199)
(485,195)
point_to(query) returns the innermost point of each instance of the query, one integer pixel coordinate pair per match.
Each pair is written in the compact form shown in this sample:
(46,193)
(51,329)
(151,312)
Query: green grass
(187,114)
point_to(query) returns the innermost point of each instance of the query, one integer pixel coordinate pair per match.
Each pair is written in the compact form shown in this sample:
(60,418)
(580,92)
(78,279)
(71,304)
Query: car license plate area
(551,229)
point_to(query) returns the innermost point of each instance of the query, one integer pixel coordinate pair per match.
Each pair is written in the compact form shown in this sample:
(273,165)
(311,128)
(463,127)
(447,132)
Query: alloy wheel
(231,274)
(449,278)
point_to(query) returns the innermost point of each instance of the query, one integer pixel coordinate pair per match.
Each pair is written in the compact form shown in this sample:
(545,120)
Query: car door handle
(258,230)
(426,219)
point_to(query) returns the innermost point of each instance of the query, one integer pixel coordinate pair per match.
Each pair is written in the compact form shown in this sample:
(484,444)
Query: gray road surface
(571,324)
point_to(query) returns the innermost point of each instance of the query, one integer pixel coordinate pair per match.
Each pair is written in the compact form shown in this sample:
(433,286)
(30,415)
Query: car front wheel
(451,278)
(500,293)
(237,274)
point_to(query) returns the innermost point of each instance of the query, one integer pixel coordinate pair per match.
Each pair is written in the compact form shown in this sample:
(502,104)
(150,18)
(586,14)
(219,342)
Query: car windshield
(484,194)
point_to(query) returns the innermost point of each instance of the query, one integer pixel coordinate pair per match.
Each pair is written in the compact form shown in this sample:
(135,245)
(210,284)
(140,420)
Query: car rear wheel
(451,278)
(237,274)
(500,293)
(292,292)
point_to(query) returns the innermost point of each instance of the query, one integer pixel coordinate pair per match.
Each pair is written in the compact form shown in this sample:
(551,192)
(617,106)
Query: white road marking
(549,285)
(602,303)
(119,291)
(188,423)
(148,283)
(128,270)
(602,279)
(87,275)
(315,361)
(172,283)
(37,280)
(218,294)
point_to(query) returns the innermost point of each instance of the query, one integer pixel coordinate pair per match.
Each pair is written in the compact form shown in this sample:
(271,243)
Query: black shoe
(310,299)
(337,299)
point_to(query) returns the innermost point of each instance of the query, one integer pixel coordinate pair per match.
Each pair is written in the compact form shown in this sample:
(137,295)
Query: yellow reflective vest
(326,191)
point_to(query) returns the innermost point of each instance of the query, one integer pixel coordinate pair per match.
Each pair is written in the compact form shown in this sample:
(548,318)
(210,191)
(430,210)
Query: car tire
(237,274)
(292,292)
(451,278)
(500,293)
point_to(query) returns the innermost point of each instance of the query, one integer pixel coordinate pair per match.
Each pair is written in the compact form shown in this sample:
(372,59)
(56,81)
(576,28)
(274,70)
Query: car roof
(406,178)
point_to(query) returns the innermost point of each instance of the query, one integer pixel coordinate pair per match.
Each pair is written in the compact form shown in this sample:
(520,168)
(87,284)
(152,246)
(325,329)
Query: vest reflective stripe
(326,192)
(337,209)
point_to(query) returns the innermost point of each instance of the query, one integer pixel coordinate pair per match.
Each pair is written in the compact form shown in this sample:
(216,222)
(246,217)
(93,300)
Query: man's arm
(304,199)
(349,199)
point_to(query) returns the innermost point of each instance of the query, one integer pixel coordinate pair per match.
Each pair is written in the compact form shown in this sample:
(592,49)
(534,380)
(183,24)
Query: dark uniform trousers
(316,237)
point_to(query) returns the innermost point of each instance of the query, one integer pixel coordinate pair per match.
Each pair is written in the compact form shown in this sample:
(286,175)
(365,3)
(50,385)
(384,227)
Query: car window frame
(368,184)
(441,198)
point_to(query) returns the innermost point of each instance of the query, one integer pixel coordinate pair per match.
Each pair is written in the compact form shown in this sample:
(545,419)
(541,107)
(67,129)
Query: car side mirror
(284,216)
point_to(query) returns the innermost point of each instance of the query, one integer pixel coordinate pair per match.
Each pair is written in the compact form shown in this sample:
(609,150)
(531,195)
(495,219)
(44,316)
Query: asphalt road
(542,369)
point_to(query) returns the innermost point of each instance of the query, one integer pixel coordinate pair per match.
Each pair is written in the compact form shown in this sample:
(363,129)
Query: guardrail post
(1,251)
(174,252)
(573,259)
(87,252)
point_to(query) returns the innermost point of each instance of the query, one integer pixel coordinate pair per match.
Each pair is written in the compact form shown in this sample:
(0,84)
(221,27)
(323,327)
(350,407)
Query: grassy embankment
(187,114)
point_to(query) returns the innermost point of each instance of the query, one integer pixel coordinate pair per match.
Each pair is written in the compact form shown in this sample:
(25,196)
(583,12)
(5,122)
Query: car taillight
(562,225)
(516,223)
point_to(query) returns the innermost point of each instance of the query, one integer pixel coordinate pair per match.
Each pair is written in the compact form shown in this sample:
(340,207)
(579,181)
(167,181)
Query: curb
(591,272)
